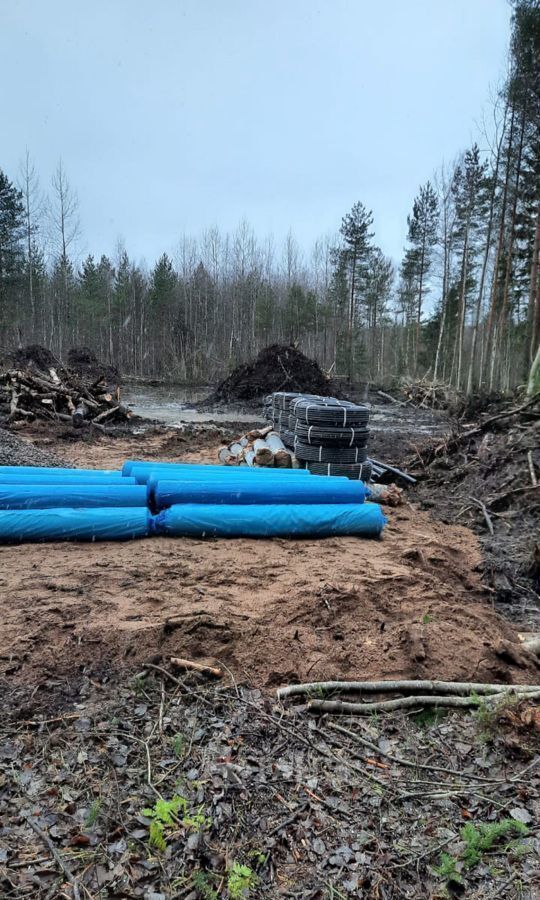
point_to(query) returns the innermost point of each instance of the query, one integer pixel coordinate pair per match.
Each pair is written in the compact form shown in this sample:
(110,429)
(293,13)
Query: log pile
(35,385)
(261,448)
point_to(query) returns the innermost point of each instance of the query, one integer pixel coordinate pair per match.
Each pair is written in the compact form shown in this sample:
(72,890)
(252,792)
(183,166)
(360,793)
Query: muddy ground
(91,729)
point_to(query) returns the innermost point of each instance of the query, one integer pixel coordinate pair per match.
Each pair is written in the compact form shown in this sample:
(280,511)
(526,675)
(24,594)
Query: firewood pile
(262,448)
(34,384)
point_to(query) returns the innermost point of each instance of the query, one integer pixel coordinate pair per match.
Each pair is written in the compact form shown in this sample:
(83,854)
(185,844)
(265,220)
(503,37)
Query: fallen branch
(193,666)
(487,516)
(534,479)
(58,859)
(344,708)
(372,687)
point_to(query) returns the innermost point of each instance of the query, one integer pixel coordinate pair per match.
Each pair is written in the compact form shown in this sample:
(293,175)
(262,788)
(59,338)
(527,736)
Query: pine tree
(11,250)
(422,236)
(357,240)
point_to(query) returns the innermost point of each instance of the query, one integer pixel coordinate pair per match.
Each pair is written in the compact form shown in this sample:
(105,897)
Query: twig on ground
(58,859)
(534,479)
(487,516)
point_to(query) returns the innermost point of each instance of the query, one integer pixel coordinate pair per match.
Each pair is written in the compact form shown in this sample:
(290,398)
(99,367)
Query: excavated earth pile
(487,475)
(276,368)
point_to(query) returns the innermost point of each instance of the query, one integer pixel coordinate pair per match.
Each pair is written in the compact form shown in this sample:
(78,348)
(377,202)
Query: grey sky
(174,116)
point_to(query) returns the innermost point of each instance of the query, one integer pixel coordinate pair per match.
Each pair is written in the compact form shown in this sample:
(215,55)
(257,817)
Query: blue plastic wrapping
(324,520)
(45,478)
(184,468)
(84,496)
(163,492)
(73,525)
(51,470)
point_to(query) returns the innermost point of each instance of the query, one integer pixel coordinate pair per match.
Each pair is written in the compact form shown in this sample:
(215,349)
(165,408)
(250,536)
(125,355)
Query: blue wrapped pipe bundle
(51,470)
(45,478)
(84,496)
(302,520)
(164,493)
(73,525)
(144,471)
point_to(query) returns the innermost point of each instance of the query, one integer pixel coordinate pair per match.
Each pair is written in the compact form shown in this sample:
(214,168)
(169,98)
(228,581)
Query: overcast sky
(174,115)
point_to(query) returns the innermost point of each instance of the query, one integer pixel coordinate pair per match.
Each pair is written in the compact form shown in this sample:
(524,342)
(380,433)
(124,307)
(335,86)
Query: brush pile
(428,394)
(34,384)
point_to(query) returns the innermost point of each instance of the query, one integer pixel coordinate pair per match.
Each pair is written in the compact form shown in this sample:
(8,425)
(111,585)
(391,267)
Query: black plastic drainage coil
(335,413)
(340,455)
(283,399)
(360,471)
(288,438)
(331,437)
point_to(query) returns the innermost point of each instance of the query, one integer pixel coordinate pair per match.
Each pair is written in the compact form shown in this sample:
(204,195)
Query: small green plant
(179,744)
(165,814)
(93,813)
(447,868)
(241,881)
(259,858)
(203,884)
(426,619)
(479,839)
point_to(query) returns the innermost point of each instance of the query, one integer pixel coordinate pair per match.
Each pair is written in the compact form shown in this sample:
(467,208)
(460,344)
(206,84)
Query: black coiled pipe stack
(330,436)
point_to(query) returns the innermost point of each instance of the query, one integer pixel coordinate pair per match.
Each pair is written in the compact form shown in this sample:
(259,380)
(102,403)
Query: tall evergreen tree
(422,236)
(11,250)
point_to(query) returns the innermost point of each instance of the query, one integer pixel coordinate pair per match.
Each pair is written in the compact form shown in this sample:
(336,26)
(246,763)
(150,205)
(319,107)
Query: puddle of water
(170,404)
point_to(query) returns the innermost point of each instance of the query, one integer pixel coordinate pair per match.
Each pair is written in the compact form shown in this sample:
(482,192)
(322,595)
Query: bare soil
(91,733)
(409,605)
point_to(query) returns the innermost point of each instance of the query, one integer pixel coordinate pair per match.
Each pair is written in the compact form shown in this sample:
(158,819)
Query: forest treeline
(462,306)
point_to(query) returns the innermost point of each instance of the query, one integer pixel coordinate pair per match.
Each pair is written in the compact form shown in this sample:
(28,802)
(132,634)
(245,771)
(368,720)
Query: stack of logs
(261,448)
(57,394)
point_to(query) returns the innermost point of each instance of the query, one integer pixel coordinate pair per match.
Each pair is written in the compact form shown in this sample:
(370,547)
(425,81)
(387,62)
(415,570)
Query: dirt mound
(84,363)
(276,368)
(36,358)
(487,476)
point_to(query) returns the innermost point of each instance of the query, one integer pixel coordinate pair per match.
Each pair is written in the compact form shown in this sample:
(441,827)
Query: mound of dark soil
(487,475)
(84,363)
(36,358)
(276,368)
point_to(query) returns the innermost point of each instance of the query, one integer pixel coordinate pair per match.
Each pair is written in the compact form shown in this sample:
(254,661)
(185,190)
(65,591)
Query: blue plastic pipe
(73,525)
(51,470)
(141,465)
(45,478)
(214,473)
(165,493)
(325,520)
(84,496)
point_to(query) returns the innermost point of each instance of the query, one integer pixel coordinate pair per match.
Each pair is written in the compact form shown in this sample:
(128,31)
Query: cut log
(263,455)
(79,415)
(282,457)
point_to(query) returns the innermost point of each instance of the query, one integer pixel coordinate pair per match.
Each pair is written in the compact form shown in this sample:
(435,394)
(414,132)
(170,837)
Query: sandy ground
(409,605)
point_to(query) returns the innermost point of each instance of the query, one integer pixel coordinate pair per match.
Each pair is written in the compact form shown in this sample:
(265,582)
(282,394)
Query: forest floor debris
(280,367)
(170,787)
